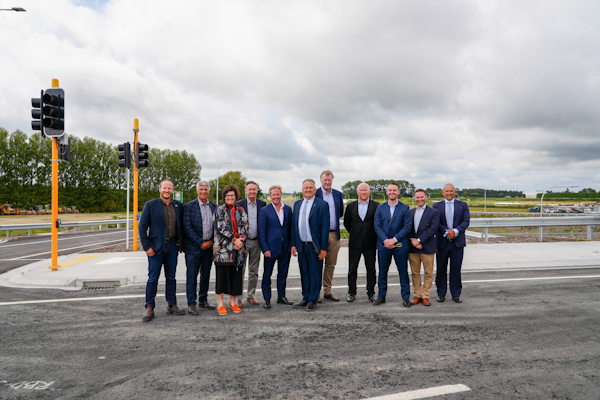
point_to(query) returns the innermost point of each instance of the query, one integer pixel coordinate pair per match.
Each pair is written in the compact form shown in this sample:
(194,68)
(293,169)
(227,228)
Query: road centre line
(133,296)
(59,239)
(70,248)
(424,393)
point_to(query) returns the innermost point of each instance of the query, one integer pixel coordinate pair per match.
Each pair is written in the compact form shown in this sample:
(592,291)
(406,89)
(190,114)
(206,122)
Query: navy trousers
(400,255)
(311,274)
(168,258)
(283,265)
(198,264)
(455,256)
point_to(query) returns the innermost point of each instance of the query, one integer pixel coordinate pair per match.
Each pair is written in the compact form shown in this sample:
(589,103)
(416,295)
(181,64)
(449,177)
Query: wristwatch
(418,240)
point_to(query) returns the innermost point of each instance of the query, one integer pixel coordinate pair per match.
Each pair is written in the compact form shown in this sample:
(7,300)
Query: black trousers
(354,258)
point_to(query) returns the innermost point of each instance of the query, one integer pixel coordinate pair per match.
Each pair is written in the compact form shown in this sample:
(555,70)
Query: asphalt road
(25,250)
(526,335)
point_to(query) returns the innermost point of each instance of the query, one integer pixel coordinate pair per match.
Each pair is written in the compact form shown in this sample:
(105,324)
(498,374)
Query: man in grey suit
(198,246)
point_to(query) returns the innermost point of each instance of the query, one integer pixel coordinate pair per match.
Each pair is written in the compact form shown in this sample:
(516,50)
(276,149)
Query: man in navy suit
(451,243)
(160,232)
(359,221)
(275,237)
(252,206)
(392,224)
(335,201)
(310,234)
(198,246)
(423,246)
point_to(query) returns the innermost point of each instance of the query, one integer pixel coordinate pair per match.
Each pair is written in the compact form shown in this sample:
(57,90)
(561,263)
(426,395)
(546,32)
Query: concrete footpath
(117,269)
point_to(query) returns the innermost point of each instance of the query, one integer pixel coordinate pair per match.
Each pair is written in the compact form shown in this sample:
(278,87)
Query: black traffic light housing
(49,109)
(64,148)
(141,156)
(124,155)
(36,114)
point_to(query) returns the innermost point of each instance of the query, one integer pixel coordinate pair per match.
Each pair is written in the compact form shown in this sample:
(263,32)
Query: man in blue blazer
(310,235)
(335,201)
(198,246)
(252,205)
(423,246)
(275,237)
(392,224)
(451,243)
(160,231)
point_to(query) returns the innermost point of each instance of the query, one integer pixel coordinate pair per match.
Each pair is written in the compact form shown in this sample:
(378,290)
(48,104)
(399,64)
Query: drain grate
(99,285)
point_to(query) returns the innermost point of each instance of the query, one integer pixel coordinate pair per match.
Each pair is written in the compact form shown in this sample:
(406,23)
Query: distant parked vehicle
(74,210)
(534,209)
(39,210)
(7,209)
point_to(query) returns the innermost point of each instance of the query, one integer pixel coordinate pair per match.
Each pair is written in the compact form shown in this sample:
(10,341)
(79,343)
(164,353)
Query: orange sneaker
(222,310)
(235,308)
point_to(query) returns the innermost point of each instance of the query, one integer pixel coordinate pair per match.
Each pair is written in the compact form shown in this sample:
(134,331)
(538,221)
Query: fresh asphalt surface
(529,334)
(17,252)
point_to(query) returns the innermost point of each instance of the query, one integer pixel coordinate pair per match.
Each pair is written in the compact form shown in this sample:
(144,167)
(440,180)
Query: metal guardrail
(75,225)
(530,214)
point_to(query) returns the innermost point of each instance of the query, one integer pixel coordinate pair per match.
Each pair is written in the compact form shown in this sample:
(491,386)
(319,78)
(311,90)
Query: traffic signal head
(53,112)
(36,113)
(141,157)
(124,155)
(64,148)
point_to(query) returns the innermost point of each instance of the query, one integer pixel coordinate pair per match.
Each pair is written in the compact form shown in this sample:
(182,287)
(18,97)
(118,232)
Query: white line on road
(70,248)
(424,393)
(133,296)
(60,239)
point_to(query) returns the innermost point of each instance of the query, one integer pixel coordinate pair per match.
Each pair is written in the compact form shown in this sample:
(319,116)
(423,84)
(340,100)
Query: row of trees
(92,180)
(378,186)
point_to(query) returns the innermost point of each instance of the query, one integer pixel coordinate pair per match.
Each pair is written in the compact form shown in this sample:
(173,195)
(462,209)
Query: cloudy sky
(494,94)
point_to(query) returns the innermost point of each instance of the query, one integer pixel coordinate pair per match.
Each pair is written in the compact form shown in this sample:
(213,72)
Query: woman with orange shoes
(231,226)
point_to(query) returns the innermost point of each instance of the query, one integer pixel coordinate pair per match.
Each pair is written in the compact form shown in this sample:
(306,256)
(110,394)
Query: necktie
(449,215)
(303,225)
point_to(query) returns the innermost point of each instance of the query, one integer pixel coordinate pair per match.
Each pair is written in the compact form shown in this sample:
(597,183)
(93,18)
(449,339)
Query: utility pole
(136,129)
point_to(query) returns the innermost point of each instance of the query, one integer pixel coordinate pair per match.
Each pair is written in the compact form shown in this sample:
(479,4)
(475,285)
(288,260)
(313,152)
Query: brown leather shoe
(426,302)
(149,314)
(252,300)
(205,304)
(192,310)
(416,300)
(175,310)
(331,297)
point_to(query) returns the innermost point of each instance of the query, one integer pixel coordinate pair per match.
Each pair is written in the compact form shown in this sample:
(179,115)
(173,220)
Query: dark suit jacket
(461,221)
(273,236)
(318,223)
(338,199)
(362,233)
(193,227)
(244,204)
(153,228)
(426,230)
(397,226)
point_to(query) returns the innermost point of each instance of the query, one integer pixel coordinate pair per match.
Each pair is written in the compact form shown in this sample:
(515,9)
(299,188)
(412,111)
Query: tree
(229,178)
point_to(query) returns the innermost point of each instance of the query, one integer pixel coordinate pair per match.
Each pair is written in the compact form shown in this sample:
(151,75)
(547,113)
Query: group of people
(235,234)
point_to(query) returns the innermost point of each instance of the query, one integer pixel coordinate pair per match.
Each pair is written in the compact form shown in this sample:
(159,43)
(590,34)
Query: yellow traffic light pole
(136,129)
(55,156)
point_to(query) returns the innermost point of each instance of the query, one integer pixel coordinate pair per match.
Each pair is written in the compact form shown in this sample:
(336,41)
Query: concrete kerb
(119,269)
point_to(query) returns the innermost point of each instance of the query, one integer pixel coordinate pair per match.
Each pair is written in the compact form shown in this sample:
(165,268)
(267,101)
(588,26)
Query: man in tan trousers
(423,246)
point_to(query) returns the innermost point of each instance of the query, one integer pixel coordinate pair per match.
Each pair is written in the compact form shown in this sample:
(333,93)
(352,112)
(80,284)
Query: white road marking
(70,248)
(424,393)
(133,296)
(60,239)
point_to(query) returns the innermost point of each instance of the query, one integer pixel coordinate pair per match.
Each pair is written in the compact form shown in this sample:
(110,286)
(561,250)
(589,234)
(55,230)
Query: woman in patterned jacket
(231,227)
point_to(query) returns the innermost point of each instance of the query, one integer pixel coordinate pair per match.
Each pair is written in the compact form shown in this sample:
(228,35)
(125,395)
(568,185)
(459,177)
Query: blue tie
(449,215)
(303,225)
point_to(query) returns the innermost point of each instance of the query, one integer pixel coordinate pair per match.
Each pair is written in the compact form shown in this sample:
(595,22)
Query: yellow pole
(54,265)
(136,128)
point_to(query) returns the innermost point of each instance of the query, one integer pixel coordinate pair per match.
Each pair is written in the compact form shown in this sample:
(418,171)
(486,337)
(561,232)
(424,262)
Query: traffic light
(64,148)
(141,156)
(54,112)
(36,113)
(125,155)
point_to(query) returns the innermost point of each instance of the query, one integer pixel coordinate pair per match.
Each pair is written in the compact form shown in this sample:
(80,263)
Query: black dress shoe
(192,310)
(331,297)
(441,298)
(371,298)
(380,300)
(204,304)
(300,304)
(267,304)
(457,299)
(406,303)
(312,306)
(351,298)
(284,300)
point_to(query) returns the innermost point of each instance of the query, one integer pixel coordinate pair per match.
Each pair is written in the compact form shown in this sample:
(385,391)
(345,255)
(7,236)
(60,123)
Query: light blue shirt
(305,236)
(392,209)
(329,199)
(418,215)
(362,209)
(451,203)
